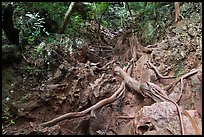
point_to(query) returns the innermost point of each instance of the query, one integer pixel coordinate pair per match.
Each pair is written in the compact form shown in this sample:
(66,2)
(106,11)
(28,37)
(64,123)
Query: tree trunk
(177,10)
(66,18)
(7,25)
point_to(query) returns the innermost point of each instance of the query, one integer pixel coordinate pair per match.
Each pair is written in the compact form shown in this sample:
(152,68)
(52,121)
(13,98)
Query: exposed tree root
(91,109)
(105,66)
(193,72)
(171,86)
(144,88)
(98,105)
(157,71)
(149,89)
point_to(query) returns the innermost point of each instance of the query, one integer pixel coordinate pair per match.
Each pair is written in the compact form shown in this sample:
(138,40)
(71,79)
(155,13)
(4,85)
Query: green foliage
(76,25)
(149,17)
(7,117)
(31,70)
(56,10)
(97,9)
(105,23)
(151,20)
(148,34)
(50,40)
(179,69)
(30,30)
(138,7)
(77,21)
(26,18)
(44,55)
(150,8)
(34,36)
(39,50)
(3,36)
(22,7)
(100,7)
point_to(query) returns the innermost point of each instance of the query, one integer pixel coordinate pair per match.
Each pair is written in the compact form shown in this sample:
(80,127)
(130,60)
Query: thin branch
(128,7)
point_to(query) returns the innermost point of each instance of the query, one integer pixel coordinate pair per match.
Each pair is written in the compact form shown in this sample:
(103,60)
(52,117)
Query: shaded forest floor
(73,81)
